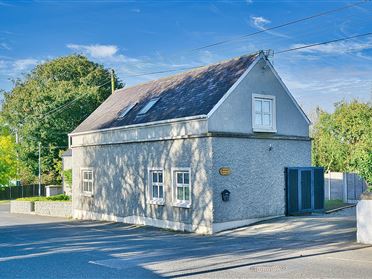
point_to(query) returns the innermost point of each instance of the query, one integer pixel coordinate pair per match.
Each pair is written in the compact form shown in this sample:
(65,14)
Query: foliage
(61,197)
(343,139)
(8,160)
(49,103)
(67,174)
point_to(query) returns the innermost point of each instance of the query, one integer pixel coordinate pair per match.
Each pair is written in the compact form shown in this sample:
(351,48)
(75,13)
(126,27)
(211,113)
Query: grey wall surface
(121,179)
(256,181)
(235,114)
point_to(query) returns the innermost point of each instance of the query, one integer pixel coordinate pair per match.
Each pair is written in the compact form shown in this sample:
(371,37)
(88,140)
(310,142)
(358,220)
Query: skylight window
(148,106)
(125,111)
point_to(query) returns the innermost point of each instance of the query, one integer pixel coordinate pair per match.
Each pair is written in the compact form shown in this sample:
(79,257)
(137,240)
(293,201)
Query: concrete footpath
(294,247)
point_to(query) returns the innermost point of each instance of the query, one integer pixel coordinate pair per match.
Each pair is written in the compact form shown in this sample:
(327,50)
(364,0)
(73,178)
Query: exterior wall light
(225,195)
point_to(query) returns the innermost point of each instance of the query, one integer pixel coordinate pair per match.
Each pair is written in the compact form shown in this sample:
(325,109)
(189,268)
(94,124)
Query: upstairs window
(263,113)
(148,106)
(125,111)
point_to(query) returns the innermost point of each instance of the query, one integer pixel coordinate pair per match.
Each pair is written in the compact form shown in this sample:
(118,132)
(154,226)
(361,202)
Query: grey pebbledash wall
(256,181)
(121,179)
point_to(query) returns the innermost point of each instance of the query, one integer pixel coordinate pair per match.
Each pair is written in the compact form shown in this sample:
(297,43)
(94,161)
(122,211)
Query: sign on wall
(224,171)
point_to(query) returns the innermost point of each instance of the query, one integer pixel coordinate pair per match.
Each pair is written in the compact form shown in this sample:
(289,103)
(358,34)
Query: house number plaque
(224,171)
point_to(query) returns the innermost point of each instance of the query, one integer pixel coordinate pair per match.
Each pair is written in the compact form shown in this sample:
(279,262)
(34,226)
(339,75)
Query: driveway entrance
(288,247)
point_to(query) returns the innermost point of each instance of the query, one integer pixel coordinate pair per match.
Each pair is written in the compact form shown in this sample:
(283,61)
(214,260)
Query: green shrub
(67,174)
(61,197)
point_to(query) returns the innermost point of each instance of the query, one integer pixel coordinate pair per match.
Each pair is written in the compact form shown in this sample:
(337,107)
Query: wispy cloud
(336,48)
(24,64)
(262,23)
(96,50)
(135,10)
(5,46)
(259,22)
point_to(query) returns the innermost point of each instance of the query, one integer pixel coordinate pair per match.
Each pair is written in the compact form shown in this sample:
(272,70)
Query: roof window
(125,111)
(148,106)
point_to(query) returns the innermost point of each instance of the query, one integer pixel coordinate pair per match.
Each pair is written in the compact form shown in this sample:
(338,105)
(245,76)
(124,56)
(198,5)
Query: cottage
(200,151)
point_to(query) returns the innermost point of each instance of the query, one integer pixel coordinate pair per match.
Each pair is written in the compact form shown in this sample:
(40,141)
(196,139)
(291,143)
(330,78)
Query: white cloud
(259,21)
(5,46)
(136,10)
(24,64)
(95,51)
(249,2)
(335,48)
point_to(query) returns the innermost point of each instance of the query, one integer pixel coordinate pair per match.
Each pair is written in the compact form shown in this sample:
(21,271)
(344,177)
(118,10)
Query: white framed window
(87,181)
(148,106)
(263,113)
(181,181)
(156,186)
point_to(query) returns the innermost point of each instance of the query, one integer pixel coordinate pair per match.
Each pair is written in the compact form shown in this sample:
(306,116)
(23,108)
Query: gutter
(134,126)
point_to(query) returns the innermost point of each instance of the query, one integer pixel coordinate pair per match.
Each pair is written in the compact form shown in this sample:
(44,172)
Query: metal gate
(304,190)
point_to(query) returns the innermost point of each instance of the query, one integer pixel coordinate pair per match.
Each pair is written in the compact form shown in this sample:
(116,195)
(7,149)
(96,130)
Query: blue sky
(143,36)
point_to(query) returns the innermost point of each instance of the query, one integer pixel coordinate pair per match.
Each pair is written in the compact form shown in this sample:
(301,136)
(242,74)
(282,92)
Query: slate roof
(67,153)
(189,93)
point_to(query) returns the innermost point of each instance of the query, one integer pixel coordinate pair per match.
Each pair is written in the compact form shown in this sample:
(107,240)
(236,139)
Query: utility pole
(39,168)
(112,81)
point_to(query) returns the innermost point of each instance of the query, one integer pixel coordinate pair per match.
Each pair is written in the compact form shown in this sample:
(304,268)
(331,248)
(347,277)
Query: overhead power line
(324,43)
(283,25)
(279,52)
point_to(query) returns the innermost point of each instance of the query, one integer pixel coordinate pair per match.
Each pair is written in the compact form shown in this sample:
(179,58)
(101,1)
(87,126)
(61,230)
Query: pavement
(289,247)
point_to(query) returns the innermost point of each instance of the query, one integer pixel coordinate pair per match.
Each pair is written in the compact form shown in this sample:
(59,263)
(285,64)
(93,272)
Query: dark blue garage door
(305,190)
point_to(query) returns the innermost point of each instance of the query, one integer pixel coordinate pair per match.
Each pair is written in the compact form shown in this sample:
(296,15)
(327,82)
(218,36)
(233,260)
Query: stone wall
(55,209)
(46,208)
(24,207)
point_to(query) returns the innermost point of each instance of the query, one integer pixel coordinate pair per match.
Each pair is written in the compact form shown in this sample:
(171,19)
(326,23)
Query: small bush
(61,197)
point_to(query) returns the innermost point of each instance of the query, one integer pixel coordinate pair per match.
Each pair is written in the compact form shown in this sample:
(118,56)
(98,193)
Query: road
(293,247)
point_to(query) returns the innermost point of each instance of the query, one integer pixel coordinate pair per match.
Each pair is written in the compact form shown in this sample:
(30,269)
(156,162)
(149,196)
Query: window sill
(88,195)
(182,204)
(264,130)
(156,202)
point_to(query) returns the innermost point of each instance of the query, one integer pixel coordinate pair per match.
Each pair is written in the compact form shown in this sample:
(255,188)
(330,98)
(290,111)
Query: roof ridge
(189,71)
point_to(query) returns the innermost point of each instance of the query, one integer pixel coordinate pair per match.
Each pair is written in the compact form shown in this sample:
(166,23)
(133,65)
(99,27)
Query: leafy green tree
(49,103)
(343,139)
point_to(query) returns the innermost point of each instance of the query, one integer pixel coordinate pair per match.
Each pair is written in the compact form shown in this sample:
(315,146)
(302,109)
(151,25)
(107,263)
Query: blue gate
(304,190)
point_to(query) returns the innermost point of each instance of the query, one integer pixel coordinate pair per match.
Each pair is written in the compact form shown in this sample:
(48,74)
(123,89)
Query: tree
(343,139)
(49,103)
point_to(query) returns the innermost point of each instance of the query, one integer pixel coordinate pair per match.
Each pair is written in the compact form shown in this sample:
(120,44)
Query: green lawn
(4,201)
(333,204)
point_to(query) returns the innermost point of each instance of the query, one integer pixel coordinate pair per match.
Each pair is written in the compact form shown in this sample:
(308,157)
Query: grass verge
(333,204)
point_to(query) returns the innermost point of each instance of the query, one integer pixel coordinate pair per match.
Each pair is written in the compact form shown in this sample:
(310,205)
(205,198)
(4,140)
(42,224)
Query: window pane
(160,177)
(90,186)
(180,193)
(179,177)
(186,179)
(85,187)
(258,105)
(258,119)
(267,120)
(155,191)
(85,174)
(154,177)
(161,192)
(90,175)
(187,193)
(266,106)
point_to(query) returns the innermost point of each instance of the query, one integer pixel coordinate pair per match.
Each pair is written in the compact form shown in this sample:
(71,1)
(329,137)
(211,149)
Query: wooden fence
(15,192)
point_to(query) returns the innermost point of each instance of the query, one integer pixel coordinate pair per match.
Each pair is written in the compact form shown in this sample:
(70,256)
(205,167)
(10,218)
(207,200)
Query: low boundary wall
(45,208)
